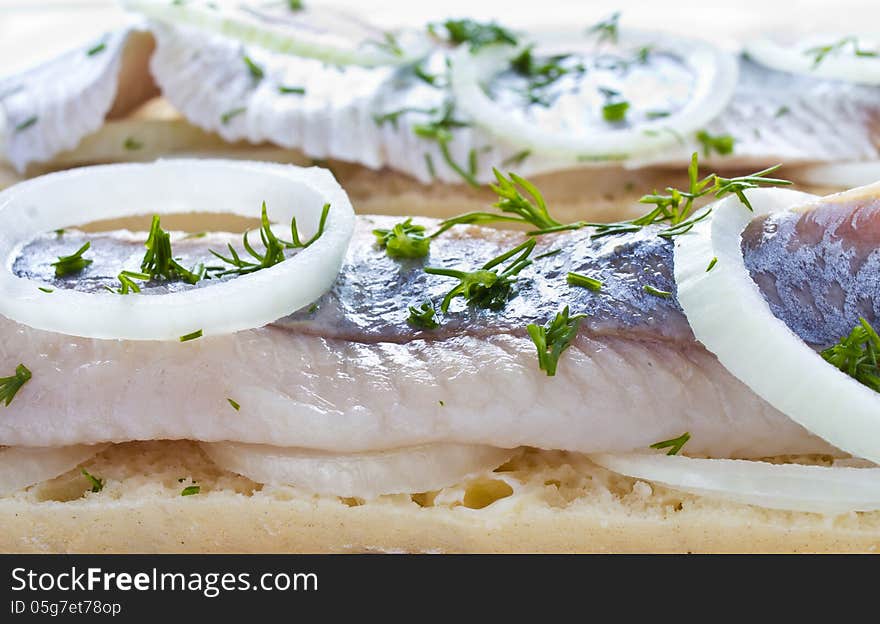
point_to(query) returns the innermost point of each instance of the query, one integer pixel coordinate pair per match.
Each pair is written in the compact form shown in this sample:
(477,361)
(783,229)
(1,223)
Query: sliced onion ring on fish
(363,475)
(324,34)
(792,487)
(844,64)
(715,74)
(21,467)
(843,175)
(78,196)
(731,318)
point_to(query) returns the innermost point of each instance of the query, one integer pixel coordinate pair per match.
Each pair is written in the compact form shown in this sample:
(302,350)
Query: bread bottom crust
(546,502)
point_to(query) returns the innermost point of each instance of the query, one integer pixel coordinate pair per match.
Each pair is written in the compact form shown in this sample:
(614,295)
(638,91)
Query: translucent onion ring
(364,475)
(60,200)
(716,74)
(792,487)
(795,60)
(730,317)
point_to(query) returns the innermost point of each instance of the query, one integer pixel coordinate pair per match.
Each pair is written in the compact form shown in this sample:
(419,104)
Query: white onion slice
(845,65)
(313,32)
(844,175)
(715,75)
(363,475)
(21,467)
(729,316)
(59,200)
(793,487)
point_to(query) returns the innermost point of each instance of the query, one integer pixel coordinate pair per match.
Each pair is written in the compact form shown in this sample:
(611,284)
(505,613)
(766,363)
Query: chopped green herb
(658,114)
(392,117)
(27,123)
(665,294)
(677,207)
(285,90)
(74,263)
(422,74)
(530,210)
(255,70)
(607,29)
(295,5)
(273,246)
(554,338)
(192,336)
(577,279)
(234,404)
(46,290)
(59,232)
(548,254)
(486,288)
(424,316)
(781,111)
(97,484)
(541,74)
(97,49)
(476,34)
(229,115)
(404,240)
(159,261)
(429,165)
(9,386)
(190,490)
(128,285)
(712,264)
(674,445)
(615,111)
(820,53)
(857,355)
(517,159)
(388,44)
(723,143)
(132,144)
(439,130)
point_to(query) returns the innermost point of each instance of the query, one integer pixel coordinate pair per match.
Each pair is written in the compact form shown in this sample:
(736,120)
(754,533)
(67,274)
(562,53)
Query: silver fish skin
(350,374)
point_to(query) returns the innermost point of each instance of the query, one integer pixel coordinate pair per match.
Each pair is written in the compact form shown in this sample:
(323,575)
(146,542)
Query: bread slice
(541,501)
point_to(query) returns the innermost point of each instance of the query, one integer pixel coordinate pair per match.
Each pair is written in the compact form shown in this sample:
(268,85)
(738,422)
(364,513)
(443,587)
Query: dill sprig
(554,338)
(404,240)
(128,285)
(514,206)
(857,355)
(820,53)
(392,117)
(440,130)
(159,262)
(423,316)
(721,143)
(542,73)
(485,287)
(96,483)
(476,34)
(255,70)
(584,281)
(674,445)
(74,263)
(273,247)
(607,29)
(676,207)
(9,386)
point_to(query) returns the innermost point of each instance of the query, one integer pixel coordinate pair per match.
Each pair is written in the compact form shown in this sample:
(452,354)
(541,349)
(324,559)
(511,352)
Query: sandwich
(502,361)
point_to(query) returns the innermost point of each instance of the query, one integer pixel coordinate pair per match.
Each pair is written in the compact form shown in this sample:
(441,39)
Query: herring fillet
(52,107)
(352,376)
(773,116)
